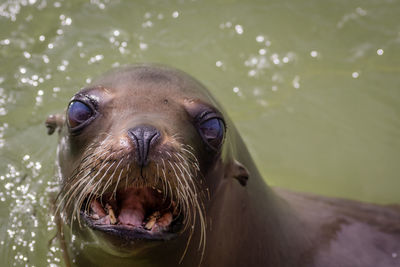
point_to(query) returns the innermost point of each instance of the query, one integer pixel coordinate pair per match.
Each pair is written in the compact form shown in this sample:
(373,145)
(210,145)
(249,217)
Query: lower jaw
(123,242)
(130,234)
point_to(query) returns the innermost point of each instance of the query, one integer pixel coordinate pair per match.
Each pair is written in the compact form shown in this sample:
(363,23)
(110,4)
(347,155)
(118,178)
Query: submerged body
(153,173)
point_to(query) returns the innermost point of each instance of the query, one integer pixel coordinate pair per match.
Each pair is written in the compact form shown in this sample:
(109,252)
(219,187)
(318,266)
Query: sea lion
(153,173)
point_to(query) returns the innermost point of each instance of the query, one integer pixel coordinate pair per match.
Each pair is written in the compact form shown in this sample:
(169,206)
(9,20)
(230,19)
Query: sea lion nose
(144,136)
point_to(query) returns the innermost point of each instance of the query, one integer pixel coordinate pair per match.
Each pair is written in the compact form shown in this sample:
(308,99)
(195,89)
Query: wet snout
(144,138)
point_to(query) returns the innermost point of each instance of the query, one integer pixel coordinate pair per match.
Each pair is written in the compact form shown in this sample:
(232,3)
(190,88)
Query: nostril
(144,136)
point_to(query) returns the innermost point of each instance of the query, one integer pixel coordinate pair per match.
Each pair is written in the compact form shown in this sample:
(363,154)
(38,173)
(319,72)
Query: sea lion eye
(78,113)
(212,131)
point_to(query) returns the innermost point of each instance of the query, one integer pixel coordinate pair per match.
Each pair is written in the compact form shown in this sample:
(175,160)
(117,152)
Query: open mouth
(134,213)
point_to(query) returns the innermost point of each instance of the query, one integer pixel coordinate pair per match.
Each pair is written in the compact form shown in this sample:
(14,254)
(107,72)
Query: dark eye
(212,131)
(78,113)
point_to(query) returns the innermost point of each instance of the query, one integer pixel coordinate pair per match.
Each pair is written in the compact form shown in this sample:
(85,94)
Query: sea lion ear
(53,122)
(240,172)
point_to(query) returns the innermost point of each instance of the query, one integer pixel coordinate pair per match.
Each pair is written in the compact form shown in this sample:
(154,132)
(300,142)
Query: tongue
(134,203)
(132,209)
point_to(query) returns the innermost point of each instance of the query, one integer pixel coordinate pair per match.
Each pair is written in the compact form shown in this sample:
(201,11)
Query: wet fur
(246,222)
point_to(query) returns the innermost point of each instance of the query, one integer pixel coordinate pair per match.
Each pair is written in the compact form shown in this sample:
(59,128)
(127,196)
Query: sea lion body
(232,217)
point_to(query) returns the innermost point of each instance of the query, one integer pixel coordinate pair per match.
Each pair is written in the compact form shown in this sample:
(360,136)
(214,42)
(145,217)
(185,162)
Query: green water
(313,87)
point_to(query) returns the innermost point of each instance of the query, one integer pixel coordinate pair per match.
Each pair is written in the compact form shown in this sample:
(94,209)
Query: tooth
(152,220)
(97,208)
(111,214)
(149,225)
(165,220)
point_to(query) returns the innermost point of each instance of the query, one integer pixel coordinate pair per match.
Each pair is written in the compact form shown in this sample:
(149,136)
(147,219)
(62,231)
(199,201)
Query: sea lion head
(140,155)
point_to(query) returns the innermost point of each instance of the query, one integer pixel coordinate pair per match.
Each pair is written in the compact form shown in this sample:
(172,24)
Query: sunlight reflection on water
(312,87)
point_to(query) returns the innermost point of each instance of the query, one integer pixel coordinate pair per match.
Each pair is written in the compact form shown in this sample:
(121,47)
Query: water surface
(313,87)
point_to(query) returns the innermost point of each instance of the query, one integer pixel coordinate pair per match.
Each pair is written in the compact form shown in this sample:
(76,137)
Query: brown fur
(247,222)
